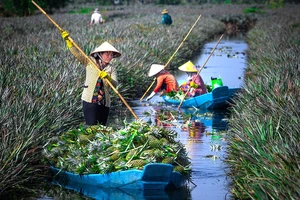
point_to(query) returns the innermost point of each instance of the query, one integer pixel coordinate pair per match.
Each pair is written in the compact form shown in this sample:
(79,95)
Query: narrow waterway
(228,61)
(203,133)
(205,140)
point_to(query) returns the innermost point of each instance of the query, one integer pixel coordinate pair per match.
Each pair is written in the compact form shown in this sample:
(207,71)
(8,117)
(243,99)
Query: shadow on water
(119,194)
(202,132)
(125,194)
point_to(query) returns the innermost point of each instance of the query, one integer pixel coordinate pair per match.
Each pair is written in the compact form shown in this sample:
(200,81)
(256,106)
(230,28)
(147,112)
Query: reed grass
(41,82)
(264,140)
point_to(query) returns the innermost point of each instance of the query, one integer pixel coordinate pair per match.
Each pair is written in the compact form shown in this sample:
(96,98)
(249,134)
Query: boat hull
(154,176)
(219,98)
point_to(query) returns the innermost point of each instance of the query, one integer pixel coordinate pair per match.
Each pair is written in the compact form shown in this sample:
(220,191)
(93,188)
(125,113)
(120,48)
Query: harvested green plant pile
(177,95)
(100,149)
(180,95)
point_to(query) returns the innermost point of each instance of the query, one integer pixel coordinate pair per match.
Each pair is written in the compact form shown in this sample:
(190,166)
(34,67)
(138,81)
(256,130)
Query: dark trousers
(95,114)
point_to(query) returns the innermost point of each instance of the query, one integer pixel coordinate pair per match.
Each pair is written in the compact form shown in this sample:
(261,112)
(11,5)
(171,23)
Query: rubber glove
(150,96)
(103,74)
(193,84)
(65,36)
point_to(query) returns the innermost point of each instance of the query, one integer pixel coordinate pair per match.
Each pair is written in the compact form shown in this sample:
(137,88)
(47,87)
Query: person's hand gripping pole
(193,81)
(173,55)
(65,35)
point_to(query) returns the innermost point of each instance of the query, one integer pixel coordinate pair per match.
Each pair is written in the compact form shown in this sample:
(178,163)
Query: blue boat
(128,194)
(218,98)
(154,176)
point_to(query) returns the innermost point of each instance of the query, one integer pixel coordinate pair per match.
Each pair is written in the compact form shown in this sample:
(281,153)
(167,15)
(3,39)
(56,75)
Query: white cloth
(96,18)
(150,96)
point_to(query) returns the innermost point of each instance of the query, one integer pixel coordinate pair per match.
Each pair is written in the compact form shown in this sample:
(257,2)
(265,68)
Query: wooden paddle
(172,55)
(200,70)
(87,57)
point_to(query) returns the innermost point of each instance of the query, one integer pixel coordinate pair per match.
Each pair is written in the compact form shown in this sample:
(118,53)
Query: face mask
(189,74)
(97,56)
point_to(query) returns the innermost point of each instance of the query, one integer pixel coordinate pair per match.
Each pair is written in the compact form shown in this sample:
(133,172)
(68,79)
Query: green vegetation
(253,9)
(26,8)
(41,84)
(82,11)
(264,150)
(100,149)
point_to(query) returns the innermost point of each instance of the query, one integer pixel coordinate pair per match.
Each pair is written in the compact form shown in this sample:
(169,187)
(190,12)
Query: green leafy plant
(100,149)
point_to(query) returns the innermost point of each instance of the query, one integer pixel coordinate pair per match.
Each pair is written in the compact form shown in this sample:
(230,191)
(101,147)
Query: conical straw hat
(164,11)
(188,67)
(107,47)
(154,69)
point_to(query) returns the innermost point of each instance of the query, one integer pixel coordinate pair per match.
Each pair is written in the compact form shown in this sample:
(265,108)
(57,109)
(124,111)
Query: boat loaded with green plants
(138,156)
(217,97)
(40,90)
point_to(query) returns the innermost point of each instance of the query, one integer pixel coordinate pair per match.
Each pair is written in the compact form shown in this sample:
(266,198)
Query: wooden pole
(172,55)
(200,70)
(87,57)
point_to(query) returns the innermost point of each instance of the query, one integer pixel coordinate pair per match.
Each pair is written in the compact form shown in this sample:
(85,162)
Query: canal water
(202,132)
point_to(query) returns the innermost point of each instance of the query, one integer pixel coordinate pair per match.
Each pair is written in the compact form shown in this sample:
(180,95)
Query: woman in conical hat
(165,81)
(95,96)
(194,83)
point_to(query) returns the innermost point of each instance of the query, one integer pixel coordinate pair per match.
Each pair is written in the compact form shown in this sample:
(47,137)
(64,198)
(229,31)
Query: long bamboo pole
(172,55)
(87,57)
(200,70)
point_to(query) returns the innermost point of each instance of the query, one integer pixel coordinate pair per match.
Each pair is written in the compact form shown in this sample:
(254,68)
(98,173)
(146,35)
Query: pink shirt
(199,81)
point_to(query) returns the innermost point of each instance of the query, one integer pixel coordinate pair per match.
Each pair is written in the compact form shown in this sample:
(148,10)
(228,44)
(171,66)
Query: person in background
(166,18)
(194,83)
(95,97)
(96,18)
(166,82)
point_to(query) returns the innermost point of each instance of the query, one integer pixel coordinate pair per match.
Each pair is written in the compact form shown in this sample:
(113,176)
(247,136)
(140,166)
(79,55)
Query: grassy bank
(41,82)
(264,143)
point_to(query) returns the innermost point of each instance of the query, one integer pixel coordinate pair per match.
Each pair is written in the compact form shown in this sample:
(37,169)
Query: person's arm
(114,76)
(201,88)
(100,19)
(171,20)
(150,96)
(78,55)
(163,20)
(159,82)
(92,20)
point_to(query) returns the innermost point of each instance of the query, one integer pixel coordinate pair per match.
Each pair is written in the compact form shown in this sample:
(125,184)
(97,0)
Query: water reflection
(202,132)
(196,129)
(128,194)
(228,61)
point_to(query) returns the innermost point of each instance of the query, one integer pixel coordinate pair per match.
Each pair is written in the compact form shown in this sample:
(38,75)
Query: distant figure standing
(166,18)
(96,17)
